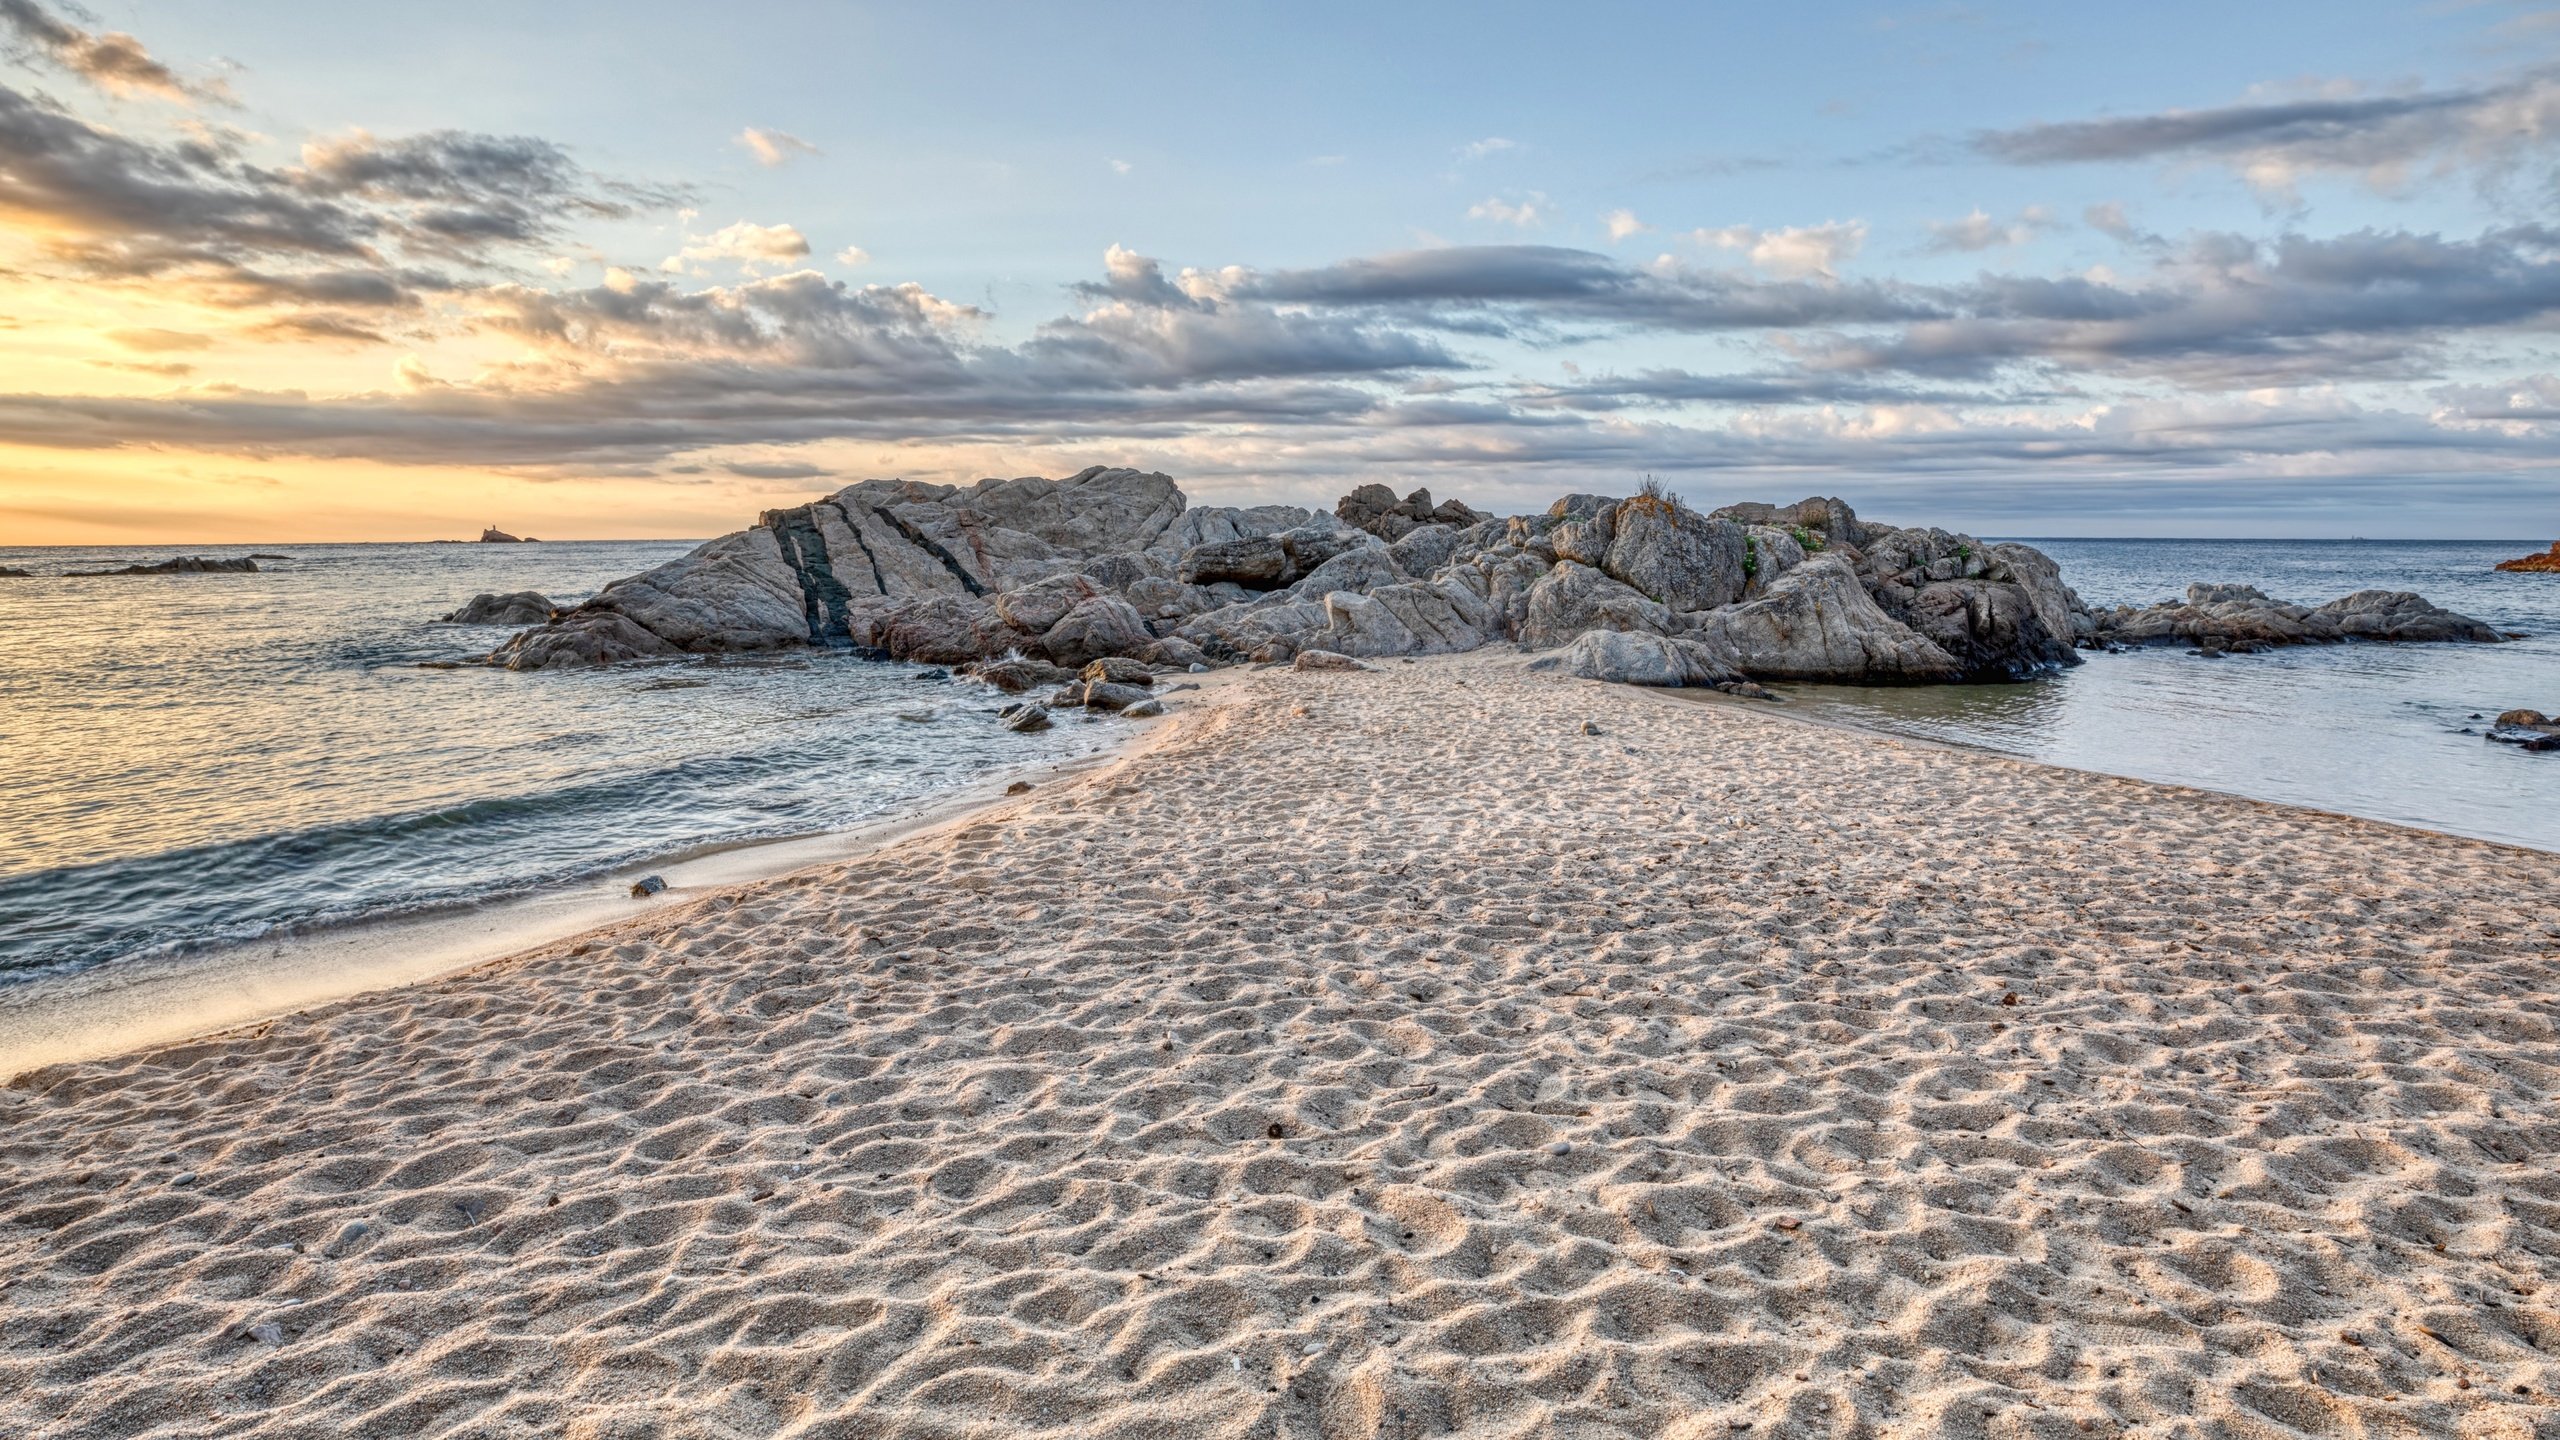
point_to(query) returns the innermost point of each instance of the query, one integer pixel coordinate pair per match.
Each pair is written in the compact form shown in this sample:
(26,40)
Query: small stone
(1561,1147)
(1198,669)
(267,1332)
(1789,1222)
(1590,729)
(183,1177)
(1018,787)
(1144,710)
(646,886)
(1027,719)
(936,673)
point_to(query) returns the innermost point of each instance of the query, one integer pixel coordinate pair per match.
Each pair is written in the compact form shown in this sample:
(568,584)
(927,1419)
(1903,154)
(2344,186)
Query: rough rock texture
(1015,675)
(1674,555)
(2530,729)
(1102,626)
(2000,611)
(1819,623)
(2547,563)
(1325,660)
(1573,598)
(2241,618)
(1626,658)
(599,637)
(523,607)
(1376,509)
(183,565)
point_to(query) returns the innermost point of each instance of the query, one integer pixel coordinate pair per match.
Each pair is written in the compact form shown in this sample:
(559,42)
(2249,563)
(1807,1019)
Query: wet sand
(1381,1054)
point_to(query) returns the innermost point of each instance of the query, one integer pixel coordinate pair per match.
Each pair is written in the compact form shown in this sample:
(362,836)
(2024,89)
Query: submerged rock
(183,565)
(1026,718)
(522,607)
(1013,675)
(2241,619)
(2528,729)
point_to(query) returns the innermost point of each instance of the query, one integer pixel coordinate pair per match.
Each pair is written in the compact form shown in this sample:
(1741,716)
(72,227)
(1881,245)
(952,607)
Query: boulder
(1035,607)
(2402,617)
(1818,623)
(1119,670)
(945,630)
(1375,509)
(2547,563)
(1627,658)
(2056,604)
(522,607)
(1409,619)
(12,572)
(1175,651)
(1027,718)
(1325,660)
(1360,570)
(1573,598)
(1098,627)
(1244,629)
(734,593)
(1211,524)
(1991,630)
(1143,710)
(2530,729)
(1112,695)
(1768,552)
(1582,538)
(591,637)
(1671,553)
(1013,675)
(1260,563)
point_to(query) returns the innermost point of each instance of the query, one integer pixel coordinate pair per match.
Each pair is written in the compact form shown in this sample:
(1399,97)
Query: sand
(1381,1054)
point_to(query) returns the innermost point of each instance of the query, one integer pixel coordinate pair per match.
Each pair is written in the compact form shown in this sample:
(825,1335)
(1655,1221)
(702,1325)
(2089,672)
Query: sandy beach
(1443,1049)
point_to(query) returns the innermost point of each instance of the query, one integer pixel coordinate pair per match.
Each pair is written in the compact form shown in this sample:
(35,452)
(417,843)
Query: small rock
(1144,710)
(183,1177)
(646,886)
(1118,671)
(1561,1147)
(1789,1222)
(1027,719)
(1112,695)
(916,717)
(1198,669)
(1590,729)
(1325,660)
(1018,787)
(936,673)
(267,1332)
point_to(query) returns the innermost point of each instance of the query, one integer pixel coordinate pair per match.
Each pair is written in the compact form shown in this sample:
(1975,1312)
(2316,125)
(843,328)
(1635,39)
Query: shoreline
(101,1012)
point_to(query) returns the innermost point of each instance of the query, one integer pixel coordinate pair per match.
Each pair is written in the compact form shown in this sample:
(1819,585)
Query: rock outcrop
(12,572)
(2530,729)
(1625,657)
(1819,623)
(2241,619)
(183,565)
(1375,509)
(522,607)
(2547,563)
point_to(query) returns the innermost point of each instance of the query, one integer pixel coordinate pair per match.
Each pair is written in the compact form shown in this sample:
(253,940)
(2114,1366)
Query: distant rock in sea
(2547,563)
(2240,619)
(524,607)
(183,565)
(495,536)
(11,572)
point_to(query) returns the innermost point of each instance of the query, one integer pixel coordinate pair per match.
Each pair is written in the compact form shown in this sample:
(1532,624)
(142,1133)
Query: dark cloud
(113,61)
(2384,138)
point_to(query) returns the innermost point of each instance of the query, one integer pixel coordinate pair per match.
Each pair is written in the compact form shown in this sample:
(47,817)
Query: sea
(193,762)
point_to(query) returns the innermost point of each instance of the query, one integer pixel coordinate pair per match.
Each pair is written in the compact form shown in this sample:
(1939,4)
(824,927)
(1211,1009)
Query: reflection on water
(2372,730)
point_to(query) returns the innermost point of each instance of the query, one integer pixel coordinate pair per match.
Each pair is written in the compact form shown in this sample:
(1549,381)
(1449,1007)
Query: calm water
(2371,730)
(197,759)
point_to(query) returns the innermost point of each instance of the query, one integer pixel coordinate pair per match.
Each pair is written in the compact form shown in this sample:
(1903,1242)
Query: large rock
(2402,617)
(1375,509)
(1362,570)
(1213,524)
(1409,619)
(2547,563)
(735,593)
(522,607)
(12,572)
(1626,658)
(183,565)
(1573,598)
(1015,675)
(1035,607)
(1768,553)
(1991,630)
(1260,563)
(591,637)
(942,630)
(1105,625)
(1818,623)
(1671,553)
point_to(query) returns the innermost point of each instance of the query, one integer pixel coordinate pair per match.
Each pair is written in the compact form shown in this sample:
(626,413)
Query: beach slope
(1436,1050)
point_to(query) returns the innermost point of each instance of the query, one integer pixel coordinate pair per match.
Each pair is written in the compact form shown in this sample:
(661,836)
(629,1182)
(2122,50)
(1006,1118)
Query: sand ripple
(1382,1056)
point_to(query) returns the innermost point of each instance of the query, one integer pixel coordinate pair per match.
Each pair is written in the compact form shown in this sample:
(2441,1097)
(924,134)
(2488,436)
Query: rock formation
(495,536)
(183,565)
(2530,729)
(2547,562)
(11,572)
(2241,619)
(1030,581)
(523,607)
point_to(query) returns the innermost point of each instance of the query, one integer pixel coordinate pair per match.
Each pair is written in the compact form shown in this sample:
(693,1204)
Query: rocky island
(183,565)
(2547,563)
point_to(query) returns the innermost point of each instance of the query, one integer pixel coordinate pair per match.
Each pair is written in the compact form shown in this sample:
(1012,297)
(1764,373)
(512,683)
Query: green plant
(1964,552)
(1653,495)
(1811,540)
(1750,556)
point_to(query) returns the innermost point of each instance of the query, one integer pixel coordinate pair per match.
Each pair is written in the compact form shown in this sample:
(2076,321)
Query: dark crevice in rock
(821,592)
(879,581)
(928,545)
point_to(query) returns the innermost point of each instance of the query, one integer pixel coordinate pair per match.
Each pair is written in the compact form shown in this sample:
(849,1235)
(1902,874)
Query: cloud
(1802,252)
(744,243)
(1120,167)
(853,255)
(2108,218)
(774,469)
(774,147)
(1490,145)
(1978,231)
(113,61)
(1525,213)
(154,341)
(1623,223)
(2384,140)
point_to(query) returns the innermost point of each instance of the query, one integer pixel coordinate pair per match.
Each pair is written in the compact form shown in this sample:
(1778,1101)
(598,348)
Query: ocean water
(198,760)
(2371,730)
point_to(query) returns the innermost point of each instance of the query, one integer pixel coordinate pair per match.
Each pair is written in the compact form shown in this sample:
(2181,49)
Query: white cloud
(1623,223)
(1800,252)
(773,147)
(1529,211)
(744,243)
(853,255)
(1978,231)
(1120,167)
(1489,145)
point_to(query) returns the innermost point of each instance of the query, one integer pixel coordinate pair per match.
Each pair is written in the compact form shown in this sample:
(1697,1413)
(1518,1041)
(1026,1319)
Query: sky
(306,271)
